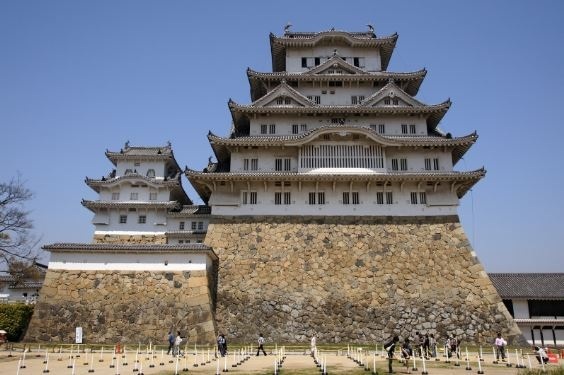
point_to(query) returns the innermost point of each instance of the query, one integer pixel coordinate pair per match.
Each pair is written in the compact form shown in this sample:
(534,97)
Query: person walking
(177,342)
(260,344)
(313,345)
(170,342)
(500,344)
(390,347)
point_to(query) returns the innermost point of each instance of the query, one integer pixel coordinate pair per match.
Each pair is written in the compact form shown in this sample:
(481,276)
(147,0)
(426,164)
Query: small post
(46,362)
(468,368)
(91,361)
(480,368)
(424,372)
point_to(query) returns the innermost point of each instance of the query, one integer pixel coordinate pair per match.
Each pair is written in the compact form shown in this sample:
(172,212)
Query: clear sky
(79,77)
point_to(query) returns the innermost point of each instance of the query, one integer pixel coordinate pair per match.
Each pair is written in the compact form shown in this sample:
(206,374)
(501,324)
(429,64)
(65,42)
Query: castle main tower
(334,201)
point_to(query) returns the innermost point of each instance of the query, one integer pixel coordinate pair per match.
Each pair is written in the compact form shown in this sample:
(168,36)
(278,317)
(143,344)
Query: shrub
(14,319)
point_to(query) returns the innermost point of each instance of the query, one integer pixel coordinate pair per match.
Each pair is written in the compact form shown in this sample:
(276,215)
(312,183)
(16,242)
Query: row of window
(142,219)
(310,62)
(196,225)
(318,198)
(285,164)
(134,196)
(188,241)
(302,128)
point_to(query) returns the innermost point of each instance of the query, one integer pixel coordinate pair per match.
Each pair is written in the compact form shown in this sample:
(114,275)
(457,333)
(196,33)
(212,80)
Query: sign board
(78,335)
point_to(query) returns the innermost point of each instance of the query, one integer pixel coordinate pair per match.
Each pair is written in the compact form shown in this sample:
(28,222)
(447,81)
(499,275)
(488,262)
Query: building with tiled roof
(143,198)
(330,131)
(536,301)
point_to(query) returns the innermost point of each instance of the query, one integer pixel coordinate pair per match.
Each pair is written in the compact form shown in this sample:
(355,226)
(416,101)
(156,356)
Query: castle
(331,210)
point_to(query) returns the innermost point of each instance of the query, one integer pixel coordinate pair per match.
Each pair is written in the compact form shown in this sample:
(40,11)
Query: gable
(283,95)
(391,95)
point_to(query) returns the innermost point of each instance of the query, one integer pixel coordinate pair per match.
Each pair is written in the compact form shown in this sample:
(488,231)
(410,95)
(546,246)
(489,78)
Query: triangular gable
(333,64)
(391,95)
(283,95)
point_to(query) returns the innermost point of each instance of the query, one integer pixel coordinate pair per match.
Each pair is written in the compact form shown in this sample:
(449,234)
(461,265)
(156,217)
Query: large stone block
(351,279)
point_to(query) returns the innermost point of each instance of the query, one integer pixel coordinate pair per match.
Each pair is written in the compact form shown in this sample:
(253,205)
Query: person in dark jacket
(390,347)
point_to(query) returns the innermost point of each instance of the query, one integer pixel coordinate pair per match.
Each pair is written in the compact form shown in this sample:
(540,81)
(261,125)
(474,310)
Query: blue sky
(80,77)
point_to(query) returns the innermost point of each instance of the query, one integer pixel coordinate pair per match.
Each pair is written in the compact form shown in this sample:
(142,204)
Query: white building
(331,132)
(142,200)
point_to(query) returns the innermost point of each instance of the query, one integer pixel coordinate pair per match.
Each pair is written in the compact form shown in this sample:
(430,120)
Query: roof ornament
(127,144)
(332,29)
(335,53)
(168,144)
(370,28)
(287,28)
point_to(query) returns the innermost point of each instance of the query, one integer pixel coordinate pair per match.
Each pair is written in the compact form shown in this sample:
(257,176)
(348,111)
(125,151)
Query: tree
(16,239)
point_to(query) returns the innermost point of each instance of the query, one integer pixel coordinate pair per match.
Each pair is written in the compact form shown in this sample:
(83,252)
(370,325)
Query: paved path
(294,363)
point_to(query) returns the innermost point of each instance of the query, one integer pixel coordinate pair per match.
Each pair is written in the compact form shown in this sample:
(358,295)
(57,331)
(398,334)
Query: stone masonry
(123,306)
(352,279)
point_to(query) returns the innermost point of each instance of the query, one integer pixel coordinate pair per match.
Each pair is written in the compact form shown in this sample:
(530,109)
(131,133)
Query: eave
(461,182)
(96,205)
(410,81)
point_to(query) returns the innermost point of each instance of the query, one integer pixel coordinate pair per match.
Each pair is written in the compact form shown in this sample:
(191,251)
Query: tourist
(500,344)
(454,347)
(433,345)
(313,345)
(406,352)
(260,344)
(170,342)
(540,354)
(417,344)
(221,344)
(426,346)
(390,347)
(177,342)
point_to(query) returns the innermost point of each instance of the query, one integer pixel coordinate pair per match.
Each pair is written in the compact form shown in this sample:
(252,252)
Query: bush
(14,319)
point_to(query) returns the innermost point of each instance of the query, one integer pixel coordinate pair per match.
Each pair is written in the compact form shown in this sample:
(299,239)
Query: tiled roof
(92,205)
(96,183)
(412,80)
(191,210)
(130,248)
(529,285)
(142,153)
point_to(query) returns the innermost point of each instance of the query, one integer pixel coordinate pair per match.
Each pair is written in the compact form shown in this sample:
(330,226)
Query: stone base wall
(158,239)
(352,279)
(123,306)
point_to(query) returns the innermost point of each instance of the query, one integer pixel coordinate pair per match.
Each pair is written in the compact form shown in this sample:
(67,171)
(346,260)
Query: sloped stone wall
(352,279)
(123,306)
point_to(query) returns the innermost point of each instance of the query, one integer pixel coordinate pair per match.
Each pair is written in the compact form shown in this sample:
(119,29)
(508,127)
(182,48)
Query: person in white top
(500,344)
(313,345)
(541,355)
(260,342)
(177,342)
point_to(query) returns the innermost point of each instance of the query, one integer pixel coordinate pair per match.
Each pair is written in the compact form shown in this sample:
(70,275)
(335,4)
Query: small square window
(122,219)
(181,225)
(142,219)
(115,196)
(152,196)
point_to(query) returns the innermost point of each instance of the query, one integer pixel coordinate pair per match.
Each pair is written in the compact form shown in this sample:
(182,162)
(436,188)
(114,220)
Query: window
(151,173)
(321,197)
(287,164)
(128,171)
(254,164)
(395,101)
(142,219)
(311,198)
(389,197)
(354,99)
(382,128)
(423,197)
(355,197)
(194,225)
(200,225)
(133,196)
(379,197)
(115,196)
(387,101)
(278,164)
(278,197)
(317,61)
(249,197)
(304,62)
(282,198)
(317,99)
(412,129)
(279,101)
(346,197)
(122,219)
(263,129)
(287,197)
(310,97)
(403,164)
(427,164)
(303,128)
(395,165)
(282,164)
(356,61)
(295,129)
(152,196)
(403,128)
(137,164)
(413,198)
(436,164)
(181,225)
(335,84)
(338,121)
(180,241)
(245,164)
(272,129)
